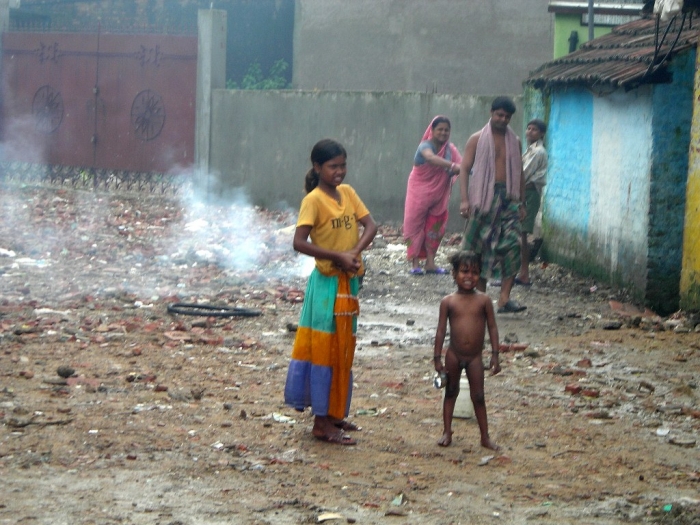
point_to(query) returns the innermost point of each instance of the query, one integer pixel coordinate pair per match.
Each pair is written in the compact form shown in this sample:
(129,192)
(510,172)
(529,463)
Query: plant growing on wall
(256,79)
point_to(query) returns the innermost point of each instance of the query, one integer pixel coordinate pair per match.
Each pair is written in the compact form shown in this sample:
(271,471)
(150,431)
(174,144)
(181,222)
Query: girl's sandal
(348,426)
(337,439)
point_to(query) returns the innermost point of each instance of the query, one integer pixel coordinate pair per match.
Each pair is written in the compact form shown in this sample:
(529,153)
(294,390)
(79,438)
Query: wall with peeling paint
(690,275)
(672,120)
(615,198)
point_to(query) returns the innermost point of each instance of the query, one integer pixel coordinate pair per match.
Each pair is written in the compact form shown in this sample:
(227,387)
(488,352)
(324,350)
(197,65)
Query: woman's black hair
(323,151)
(440,120)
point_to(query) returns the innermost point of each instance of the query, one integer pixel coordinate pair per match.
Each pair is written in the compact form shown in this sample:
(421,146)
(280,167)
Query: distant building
(571,20)
(619,111)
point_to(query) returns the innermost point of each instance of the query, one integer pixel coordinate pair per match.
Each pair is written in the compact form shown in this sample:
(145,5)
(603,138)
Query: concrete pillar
(211,74)
(690,271)
(5,6)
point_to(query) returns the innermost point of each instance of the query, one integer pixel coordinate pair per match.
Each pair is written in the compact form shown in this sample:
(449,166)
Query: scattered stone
(682,442)
(511,337)
(55,381)
(612,325)
(645,385)
(601,414)
(561,371)
(485,460)
(590,392)
(573,388)
(65,371)
(536,514)
(197,393)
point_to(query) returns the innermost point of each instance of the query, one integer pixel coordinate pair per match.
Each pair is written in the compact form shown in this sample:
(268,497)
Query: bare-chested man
(469,312)
(492,192)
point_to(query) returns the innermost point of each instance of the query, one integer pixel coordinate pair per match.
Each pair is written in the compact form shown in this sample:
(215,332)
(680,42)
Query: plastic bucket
(464,408)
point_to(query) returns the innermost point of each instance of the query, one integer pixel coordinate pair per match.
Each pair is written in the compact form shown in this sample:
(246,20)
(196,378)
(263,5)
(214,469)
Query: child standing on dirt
(468,311)
(320,371)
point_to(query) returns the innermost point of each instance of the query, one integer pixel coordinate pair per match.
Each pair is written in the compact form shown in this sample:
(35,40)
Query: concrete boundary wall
(261,142)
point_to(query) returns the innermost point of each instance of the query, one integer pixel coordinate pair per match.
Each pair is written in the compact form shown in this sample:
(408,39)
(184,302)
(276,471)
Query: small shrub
(256,79)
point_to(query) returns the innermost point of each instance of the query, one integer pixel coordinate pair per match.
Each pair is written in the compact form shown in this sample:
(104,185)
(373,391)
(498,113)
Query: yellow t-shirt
(333,224)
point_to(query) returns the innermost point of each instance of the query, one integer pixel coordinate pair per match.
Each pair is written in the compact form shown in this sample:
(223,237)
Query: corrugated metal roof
(631,55)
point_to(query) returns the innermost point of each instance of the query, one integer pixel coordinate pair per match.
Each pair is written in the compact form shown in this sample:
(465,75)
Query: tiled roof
(631,55)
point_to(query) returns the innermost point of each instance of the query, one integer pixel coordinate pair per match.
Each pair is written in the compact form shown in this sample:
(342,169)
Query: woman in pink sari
(435,168)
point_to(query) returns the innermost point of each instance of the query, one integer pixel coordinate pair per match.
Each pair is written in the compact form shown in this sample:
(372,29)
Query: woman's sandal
(437,271)
(416,271)
(337,439)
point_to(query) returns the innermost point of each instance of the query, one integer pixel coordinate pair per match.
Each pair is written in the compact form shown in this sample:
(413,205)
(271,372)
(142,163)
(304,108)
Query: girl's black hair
(464,258)
(323,151)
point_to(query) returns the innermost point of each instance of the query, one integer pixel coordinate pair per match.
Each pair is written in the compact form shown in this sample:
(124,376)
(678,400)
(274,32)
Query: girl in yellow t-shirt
(320,371)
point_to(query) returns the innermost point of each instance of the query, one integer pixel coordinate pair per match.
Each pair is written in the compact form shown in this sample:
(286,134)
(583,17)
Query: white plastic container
(464,408)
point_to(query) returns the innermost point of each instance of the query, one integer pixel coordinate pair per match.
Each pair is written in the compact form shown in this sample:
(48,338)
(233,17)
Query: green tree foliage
(255,78)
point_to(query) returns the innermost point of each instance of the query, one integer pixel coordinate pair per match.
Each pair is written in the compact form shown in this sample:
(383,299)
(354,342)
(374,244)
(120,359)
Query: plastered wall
(261,141)
(444,46)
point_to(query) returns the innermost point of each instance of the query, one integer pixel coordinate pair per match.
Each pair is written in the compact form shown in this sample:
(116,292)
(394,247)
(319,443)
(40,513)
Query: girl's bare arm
(370,230)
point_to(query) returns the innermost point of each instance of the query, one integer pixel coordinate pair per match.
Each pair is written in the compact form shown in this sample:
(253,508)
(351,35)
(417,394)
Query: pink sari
(427,200)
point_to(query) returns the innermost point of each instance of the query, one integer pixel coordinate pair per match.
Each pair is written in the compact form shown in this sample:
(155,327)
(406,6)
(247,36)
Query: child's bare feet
(445,440)
(487,443)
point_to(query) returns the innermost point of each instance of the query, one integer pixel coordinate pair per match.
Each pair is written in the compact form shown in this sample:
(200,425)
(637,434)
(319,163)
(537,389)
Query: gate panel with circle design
(47,109)
(147,115)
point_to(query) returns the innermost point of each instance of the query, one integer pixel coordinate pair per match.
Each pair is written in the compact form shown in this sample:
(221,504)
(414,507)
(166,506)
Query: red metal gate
(104,101)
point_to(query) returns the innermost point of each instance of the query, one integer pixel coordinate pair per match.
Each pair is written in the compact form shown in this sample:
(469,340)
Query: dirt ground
(175,419)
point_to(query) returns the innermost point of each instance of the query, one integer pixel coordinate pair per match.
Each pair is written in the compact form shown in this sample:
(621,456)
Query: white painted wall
(620,175)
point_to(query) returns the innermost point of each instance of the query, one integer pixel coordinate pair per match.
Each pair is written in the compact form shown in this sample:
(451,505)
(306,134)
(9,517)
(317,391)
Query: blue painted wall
(615,199)
(567,194)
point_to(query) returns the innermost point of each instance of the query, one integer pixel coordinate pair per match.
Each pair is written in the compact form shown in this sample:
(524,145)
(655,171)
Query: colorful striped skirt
(320,371)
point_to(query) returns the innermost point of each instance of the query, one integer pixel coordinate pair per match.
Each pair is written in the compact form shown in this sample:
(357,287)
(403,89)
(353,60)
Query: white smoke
(55,242)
